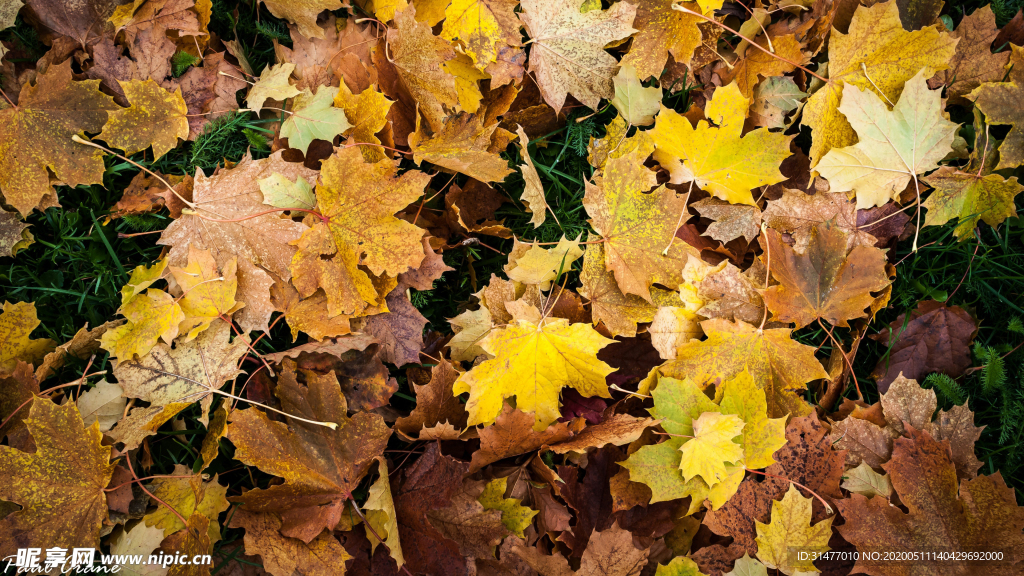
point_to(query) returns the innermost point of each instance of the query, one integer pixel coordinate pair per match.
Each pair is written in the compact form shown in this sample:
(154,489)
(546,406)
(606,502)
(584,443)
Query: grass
(79,262)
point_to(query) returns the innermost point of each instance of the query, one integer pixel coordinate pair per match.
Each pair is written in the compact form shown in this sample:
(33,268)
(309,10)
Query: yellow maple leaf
(712,447)
(462,145)
(272,83)
(483,26)
(142,277)
(718,158)
(359,200)
(17,321)
(187,495)
(779,365)
(60,486)
(762,435)
(36,135)
(533,362)
(381,516)
(533,192)
(367,112)
(467,81)
(418,57)
(876,54)
(661,31)
(790,528)
(155,118)
(619,312)
(514,516)
(568,54)
(638,227)
(636,104)
(207,295)
(152,316)
(541,265)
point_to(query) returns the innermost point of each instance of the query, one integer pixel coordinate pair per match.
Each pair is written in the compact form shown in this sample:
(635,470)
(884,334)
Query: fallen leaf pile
(632,398)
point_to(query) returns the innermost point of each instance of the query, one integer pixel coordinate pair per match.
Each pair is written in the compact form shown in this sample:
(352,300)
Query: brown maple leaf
(321,466)
(934,338)
(827,281)
(981,515)
(36,135)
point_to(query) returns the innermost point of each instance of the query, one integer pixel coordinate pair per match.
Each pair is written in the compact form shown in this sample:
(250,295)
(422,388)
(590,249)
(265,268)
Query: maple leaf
(314,117)
(894,147)
(514,516)
(259,243)
(417,56)
(791,528)
(36,135)
(756,64)
(359,201)
(533,362)
(998,101)
(983,515)
(308,315)
(320,466)
(617,429)
(712,447)
(367,112)
(302,13)
(879,55)
(483,27)
(152,317)
(206,295)
(773,99)
(797,214)
(400,330)
(969,197)
(866,482)
(567,54)
(619,312)
(827,281)
(272,83)
(9,13)
(191,541)
(779,365)
(187,495)
(209,91)
(638,226)
(636,105)
(17,321)
(60,486)
(934,338)
(717,158)
(281,555)
(761,435)
(808,457)
(187,373)
(512,434)
(435,403)
(661,31)
(142,277)
(973,63)
(540,266)
(156,118)
(731,220)
(733,295)
(280,192)
(462,145)
(428,485)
